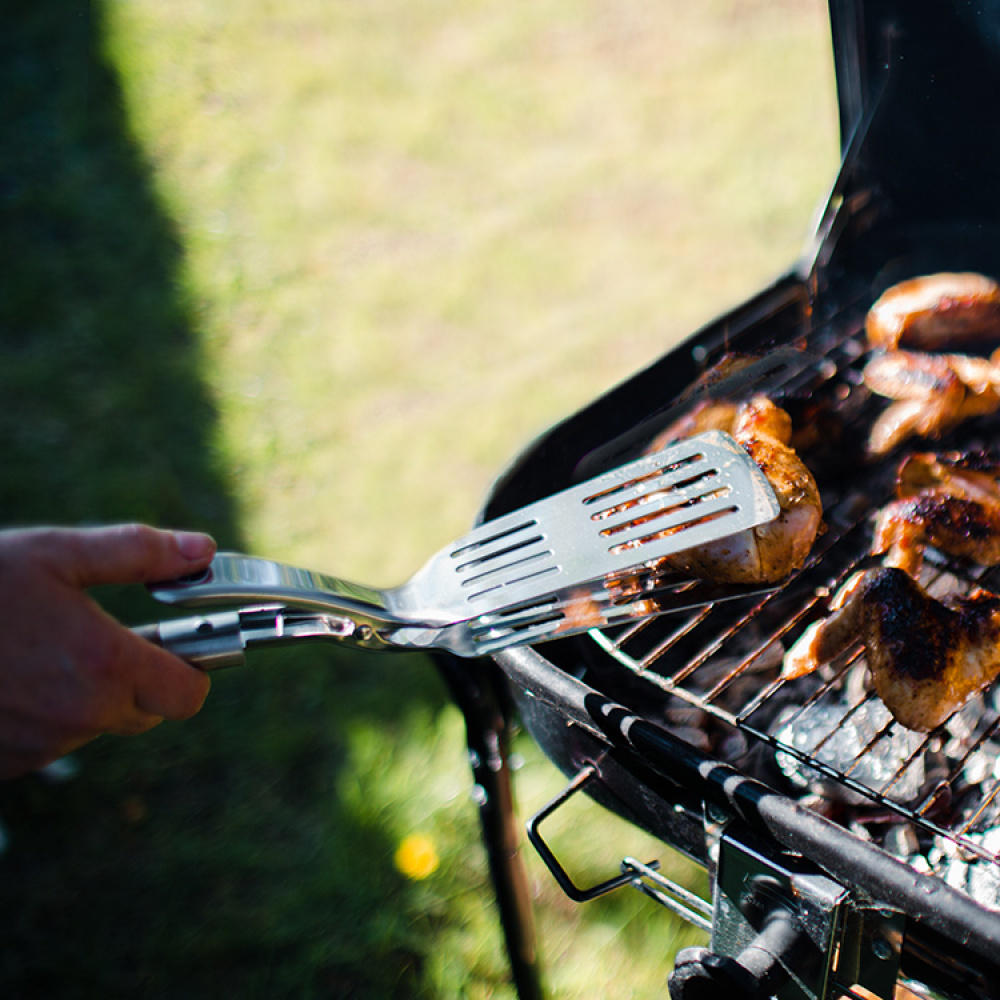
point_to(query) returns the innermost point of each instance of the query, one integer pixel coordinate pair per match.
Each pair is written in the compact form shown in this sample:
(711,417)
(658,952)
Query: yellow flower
(416,856)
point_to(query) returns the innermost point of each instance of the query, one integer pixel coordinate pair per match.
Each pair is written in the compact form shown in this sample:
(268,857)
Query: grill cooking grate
(929,798)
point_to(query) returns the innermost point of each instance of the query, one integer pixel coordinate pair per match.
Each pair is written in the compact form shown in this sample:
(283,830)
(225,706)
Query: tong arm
(233,578)
(221,639)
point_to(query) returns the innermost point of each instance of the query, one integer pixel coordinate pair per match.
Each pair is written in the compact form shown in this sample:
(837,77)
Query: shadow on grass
(219,854)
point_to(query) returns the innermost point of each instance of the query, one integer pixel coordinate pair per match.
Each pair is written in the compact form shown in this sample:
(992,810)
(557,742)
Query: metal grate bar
(963,761)
(826,687)
(912,759)
(671,640)
(988,800)
(628,634)
(851,711)
(870,746)
(787,624)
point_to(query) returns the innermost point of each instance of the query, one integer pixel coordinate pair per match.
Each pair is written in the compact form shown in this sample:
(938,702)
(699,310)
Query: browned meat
(935,312)
(770,551)
(975,474)
(926,657)
(933,394)
(949,501)
(708,415)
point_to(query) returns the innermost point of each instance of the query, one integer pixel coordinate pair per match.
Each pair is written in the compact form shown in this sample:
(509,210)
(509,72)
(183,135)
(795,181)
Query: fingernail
(194,546)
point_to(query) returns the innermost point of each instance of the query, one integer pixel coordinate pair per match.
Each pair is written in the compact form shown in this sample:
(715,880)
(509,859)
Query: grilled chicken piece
(769,552)
(934,393)
(949,501)
(926,657)
(708,415)
(936,311)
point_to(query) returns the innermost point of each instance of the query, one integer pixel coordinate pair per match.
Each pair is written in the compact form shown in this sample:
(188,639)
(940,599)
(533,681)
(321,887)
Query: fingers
(165,687)
(129,553)
(103,678)
(125,683)
(69,671)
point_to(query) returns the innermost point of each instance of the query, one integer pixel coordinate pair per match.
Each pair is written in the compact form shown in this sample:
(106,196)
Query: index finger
(127,553)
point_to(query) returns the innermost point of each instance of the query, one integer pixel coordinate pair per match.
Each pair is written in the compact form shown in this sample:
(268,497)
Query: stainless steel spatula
(519,578)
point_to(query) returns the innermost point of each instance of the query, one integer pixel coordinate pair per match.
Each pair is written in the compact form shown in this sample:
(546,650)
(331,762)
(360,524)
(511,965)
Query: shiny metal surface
(551,568)
(221,639)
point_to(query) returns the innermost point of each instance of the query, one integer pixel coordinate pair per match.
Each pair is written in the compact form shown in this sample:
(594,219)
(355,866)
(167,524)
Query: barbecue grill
(849,857)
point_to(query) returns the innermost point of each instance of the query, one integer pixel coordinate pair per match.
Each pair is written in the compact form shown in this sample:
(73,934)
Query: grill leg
(479,691)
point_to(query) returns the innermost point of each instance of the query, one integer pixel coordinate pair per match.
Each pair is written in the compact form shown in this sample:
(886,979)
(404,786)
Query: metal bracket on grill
(781,928)
(669,894)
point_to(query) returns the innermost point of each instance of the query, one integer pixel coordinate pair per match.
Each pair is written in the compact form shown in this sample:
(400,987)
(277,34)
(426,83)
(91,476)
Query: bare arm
(68,670)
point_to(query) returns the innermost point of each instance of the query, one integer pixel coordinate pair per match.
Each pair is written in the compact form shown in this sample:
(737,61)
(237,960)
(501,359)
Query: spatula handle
(233,578)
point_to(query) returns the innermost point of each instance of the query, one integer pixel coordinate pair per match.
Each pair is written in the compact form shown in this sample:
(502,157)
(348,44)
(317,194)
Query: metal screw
(882,949)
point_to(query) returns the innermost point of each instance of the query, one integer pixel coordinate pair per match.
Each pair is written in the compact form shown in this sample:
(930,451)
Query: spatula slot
(669,492)
(688,504)
(490,559)
(483,541)
(663,470)
(508,579)
(656,536)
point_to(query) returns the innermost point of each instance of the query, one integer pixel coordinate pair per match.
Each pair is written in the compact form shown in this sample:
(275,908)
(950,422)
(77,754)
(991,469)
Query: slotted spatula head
(694,492)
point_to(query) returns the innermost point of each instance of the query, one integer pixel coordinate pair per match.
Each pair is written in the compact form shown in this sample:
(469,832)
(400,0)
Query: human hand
(68,670)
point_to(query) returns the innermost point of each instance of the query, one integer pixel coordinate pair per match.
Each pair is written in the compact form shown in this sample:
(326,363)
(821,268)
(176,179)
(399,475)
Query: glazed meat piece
(935,312)
(951,502)
(712,401)
(933,394)
(769,552)
(974,474)
(955,525)
(707,415)
(926,657)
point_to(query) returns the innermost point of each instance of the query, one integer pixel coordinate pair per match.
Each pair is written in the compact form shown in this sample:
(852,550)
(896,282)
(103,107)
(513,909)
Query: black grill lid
(918,83)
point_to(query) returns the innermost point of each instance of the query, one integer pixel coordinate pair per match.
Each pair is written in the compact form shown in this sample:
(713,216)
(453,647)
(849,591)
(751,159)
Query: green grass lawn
(308,275)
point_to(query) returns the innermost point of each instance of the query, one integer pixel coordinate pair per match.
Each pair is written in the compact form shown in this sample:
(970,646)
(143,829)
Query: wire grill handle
(568,886)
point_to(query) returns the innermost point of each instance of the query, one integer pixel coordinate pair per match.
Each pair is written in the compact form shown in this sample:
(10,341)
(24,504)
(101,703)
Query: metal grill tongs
(568,563)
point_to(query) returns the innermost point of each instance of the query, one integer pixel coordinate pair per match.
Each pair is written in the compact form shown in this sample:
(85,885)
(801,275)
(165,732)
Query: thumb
(128,553)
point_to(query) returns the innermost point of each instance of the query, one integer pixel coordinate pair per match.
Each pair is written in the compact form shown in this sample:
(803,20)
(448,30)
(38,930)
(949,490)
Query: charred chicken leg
(926,657)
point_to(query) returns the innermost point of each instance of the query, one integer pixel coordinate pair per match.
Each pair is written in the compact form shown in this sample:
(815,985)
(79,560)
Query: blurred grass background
(308,274)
